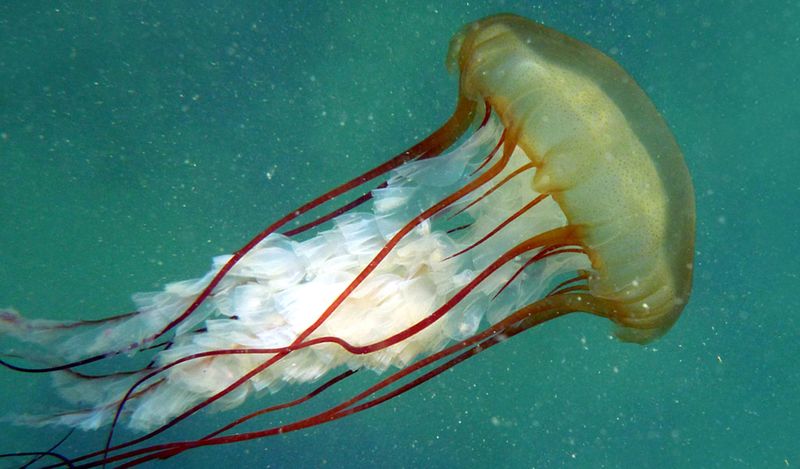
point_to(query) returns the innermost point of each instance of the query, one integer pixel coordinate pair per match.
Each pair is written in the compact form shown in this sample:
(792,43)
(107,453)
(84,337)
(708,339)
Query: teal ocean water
(138,140)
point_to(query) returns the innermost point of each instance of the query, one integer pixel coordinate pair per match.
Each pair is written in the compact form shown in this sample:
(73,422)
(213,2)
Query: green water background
(139,139)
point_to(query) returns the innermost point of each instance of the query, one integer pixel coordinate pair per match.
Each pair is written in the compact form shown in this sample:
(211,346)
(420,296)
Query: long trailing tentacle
(37,455)
(549,243)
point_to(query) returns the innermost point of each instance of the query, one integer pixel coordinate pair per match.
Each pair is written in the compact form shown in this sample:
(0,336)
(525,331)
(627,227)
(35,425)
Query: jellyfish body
(570,196)
(604,153)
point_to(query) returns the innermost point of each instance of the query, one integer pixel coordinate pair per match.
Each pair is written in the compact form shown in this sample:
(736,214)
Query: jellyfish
(554,188)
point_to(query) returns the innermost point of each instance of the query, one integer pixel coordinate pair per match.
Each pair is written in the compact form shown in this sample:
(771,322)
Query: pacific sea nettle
(570,194)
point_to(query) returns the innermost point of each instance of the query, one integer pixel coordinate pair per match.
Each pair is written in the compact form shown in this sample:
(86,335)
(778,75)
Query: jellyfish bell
(571,195)
(603,152)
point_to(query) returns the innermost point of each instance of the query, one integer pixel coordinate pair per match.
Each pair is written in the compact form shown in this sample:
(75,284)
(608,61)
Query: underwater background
(140,139)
